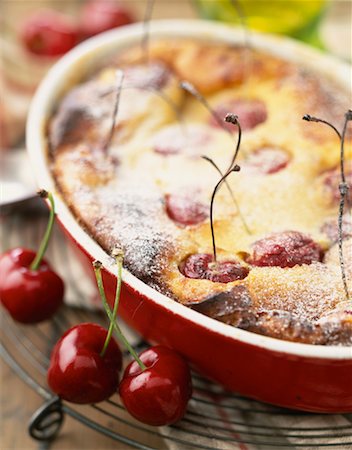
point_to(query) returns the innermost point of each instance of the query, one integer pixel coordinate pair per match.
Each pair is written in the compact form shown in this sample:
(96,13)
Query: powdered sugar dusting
(139,222)
(306,291)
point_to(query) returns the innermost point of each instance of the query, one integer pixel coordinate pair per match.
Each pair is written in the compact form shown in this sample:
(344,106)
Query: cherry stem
(119,81)
(231,118)
(247,34)
(45,241)
(146,22)
(188,87)
(160,94)
(113,326)
(343,188)
(310,118)
(236,168)
(242,17)
(206,158)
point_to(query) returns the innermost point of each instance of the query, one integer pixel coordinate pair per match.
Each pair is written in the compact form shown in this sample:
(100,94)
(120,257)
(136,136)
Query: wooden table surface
(18,401)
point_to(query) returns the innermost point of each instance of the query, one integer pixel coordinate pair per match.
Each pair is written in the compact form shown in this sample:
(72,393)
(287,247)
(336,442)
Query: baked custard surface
(149,191)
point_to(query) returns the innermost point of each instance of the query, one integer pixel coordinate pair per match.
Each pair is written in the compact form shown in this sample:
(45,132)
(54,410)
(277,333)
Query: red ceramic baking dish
(301,376)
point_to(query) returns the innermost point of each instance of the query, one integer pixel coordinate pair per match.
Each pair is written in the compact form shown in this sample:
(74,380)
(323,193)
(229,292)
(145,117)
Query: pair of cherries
(86,361)
(50,33)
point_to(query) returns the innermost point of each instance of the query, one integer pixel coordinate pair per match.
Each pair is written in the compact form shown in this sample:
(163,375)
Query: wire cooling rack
(215,419)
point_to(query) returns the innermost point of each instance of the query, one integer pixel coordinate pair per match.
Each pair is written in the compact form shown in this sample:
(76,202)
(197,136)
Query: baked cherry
(102,15)
(266,161)
(285,249)
(331,228)
(48,33)
(153,76)
(331,180)
(78,371)
(170,141)
(159,394)
(251,113)
(184,210)
(203,266)
(29,289)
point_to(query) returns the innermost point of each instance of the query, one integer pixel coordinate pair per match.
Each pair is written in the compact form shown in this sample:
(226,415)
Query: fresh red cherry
(159,394)
(102,15)
(78,372)
(29,289)
(155,387)
(48,33)
(30,296)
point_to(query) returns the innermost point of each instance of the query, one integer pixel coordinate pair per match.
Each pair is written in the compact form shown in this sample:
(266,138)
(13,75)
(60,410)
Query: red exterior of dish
(283,379)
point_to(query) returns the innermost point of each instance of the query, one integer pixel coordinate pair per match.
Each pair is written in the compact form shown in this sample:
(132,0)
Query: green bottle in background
(296,18)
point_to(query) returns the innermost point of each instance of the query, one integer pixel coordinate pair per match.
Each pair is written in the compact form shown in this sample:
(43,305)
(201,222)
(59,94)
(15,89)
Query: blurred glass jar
(296,18)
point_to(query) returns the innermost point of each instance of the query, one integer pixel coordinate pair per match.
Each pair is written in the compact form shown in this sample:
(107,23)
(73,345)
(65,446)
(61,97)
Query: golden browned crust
(119,195)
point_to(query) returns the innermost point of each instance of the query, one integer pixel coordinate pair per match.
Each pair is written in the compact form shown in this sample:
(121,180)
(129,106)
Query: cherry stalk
(343,187)
(188,87)
(158,93)
(119,81)
(246,31)
(146,33)
(113,314)
(231,118)
(212,162)
(310,118)
(45,241)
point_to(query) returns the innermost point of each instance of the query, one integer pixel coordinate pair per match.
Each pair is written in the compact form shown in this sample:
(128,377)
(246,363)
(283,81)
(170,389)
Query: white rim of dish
(67,68)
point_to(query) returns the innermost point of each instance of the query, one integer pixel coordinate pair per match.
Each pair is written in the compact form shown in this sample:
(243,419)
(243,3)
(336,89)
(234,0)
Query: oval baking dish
(294,375)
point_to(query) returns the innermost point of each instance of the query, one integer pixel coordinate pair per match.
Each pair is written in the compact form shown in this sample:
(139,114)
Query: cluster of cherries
(49,33)
(86,362)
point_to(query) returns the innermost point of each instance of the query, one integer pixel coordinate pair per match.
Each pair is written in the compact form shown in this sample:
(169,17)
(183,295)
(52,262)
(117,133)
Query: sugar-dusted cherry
(172,140)
(29,289)
(79,370)
(203,266)
(266,161)
(159,394)
(185,210)
(48,33)
(102,15)
(285,249)
(250,112)
(331,228)
(331,180)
